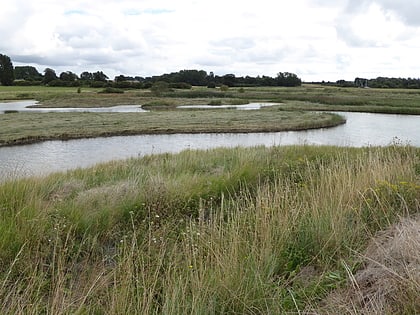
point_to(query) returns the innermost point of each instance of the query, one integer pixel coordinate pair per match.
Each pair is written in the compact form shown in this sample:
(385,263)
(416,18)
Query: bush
(111,90)
(180,85)
(127,85)
(215,102)
(27,83)
(63,83)
(98,84)
(224,88)
(160,87)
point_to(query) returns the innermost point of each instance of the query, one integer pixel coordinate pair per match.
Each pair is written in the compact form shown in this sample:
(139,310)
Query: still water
(361,129)
(29,106)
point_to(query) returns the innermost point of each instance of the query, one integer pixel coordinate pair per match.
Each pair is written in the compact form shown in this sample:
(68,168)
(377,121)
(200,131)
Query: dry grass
(225,231)
(388,281)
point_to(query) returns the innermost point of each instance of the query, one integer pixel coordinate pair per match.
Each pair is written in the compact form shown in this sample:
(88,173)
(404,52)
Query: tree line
(29,75)
(380,82)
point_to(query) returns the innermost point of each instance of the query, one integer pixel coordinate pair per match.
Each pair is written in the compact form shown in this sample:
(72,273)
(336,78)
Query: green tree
(100,76)
(288,79)
(229,79)
(28,73)
(6,70)
(68,76)
(87,76)
(49,75)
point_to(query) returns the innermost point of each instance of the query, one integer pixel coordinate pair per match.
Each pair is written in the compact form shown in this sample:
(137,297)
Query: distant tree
(229,79)
(49,75)
(87,76)
(344,83)
(100,76)
(120,78)
(6,70)
(124,78)
(28,73)
(193,77)
(68,76)
(288,79)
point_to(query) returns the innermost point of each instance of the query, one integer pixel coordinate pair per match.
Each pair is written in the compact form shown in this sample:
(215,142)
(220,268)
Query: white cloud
(317,39)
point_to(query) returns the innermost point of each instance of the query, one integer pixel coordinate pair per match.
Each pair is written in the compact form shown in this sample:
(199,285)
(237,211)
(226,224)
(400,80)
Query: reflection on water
(361,129)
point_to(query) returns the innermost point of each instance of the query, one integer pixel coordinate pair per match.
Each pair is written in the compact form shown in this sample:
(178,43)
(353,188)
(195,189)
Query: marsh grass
(306,97)
(21,128)
(236,231)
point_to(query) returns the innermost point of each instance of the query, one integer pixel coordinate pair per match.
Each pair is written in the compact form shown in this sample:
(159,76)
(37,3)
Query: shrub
(26,83)
(160,87)
(215,102)
(98,84)
(224,88)
(111,90)
(180,85)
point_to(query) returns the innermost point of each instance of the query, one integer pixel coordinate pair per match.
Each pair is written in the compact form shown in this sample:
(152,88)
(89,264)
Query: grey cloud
(246,49)
(352,39)
(407,10)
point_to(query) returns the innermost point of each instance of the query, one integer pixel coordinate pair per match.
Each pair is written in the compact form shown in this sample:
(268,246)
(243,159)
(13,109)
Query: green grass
(307,97)
(166,118)
(224,231)
(18,128)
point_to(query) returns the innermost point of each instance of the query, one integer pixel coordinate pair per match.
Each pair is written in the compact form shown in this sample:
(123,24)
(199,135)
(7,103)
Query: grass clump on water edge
(247,231)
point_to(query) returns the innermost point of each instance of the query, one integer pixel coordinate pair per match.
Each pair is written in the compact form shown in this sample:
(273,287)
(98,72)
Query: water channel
(361,129)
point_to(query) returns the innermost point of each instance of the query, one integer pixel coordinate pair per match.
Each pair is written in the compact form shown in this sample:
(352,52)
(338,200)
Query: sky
(316,39)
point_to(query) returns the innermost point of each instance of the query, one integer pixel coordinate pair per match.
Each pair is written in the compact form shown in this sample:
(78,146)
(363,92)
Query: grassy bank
(239,231)
(20,128)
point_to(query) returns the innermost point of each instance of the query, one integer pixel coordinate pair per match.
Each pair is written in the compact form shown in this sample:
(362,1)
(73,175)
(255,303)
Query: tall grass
(236,231)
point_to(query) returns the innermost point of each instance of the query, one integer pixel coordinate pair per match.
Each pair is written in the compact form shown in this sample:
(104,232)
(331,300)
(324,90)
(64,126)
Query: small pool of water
(250,106)
(23,106)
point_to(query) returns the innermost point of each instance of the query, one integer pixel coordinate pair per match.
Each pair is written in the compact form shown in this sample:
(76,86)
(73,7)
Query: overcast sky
(316,39)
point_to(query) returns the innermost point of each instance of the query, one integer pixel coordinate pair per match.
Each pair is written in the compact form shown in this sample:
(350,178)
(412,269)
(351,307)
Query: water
(30,106)
(250,106)
(361,129)
(22,106)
